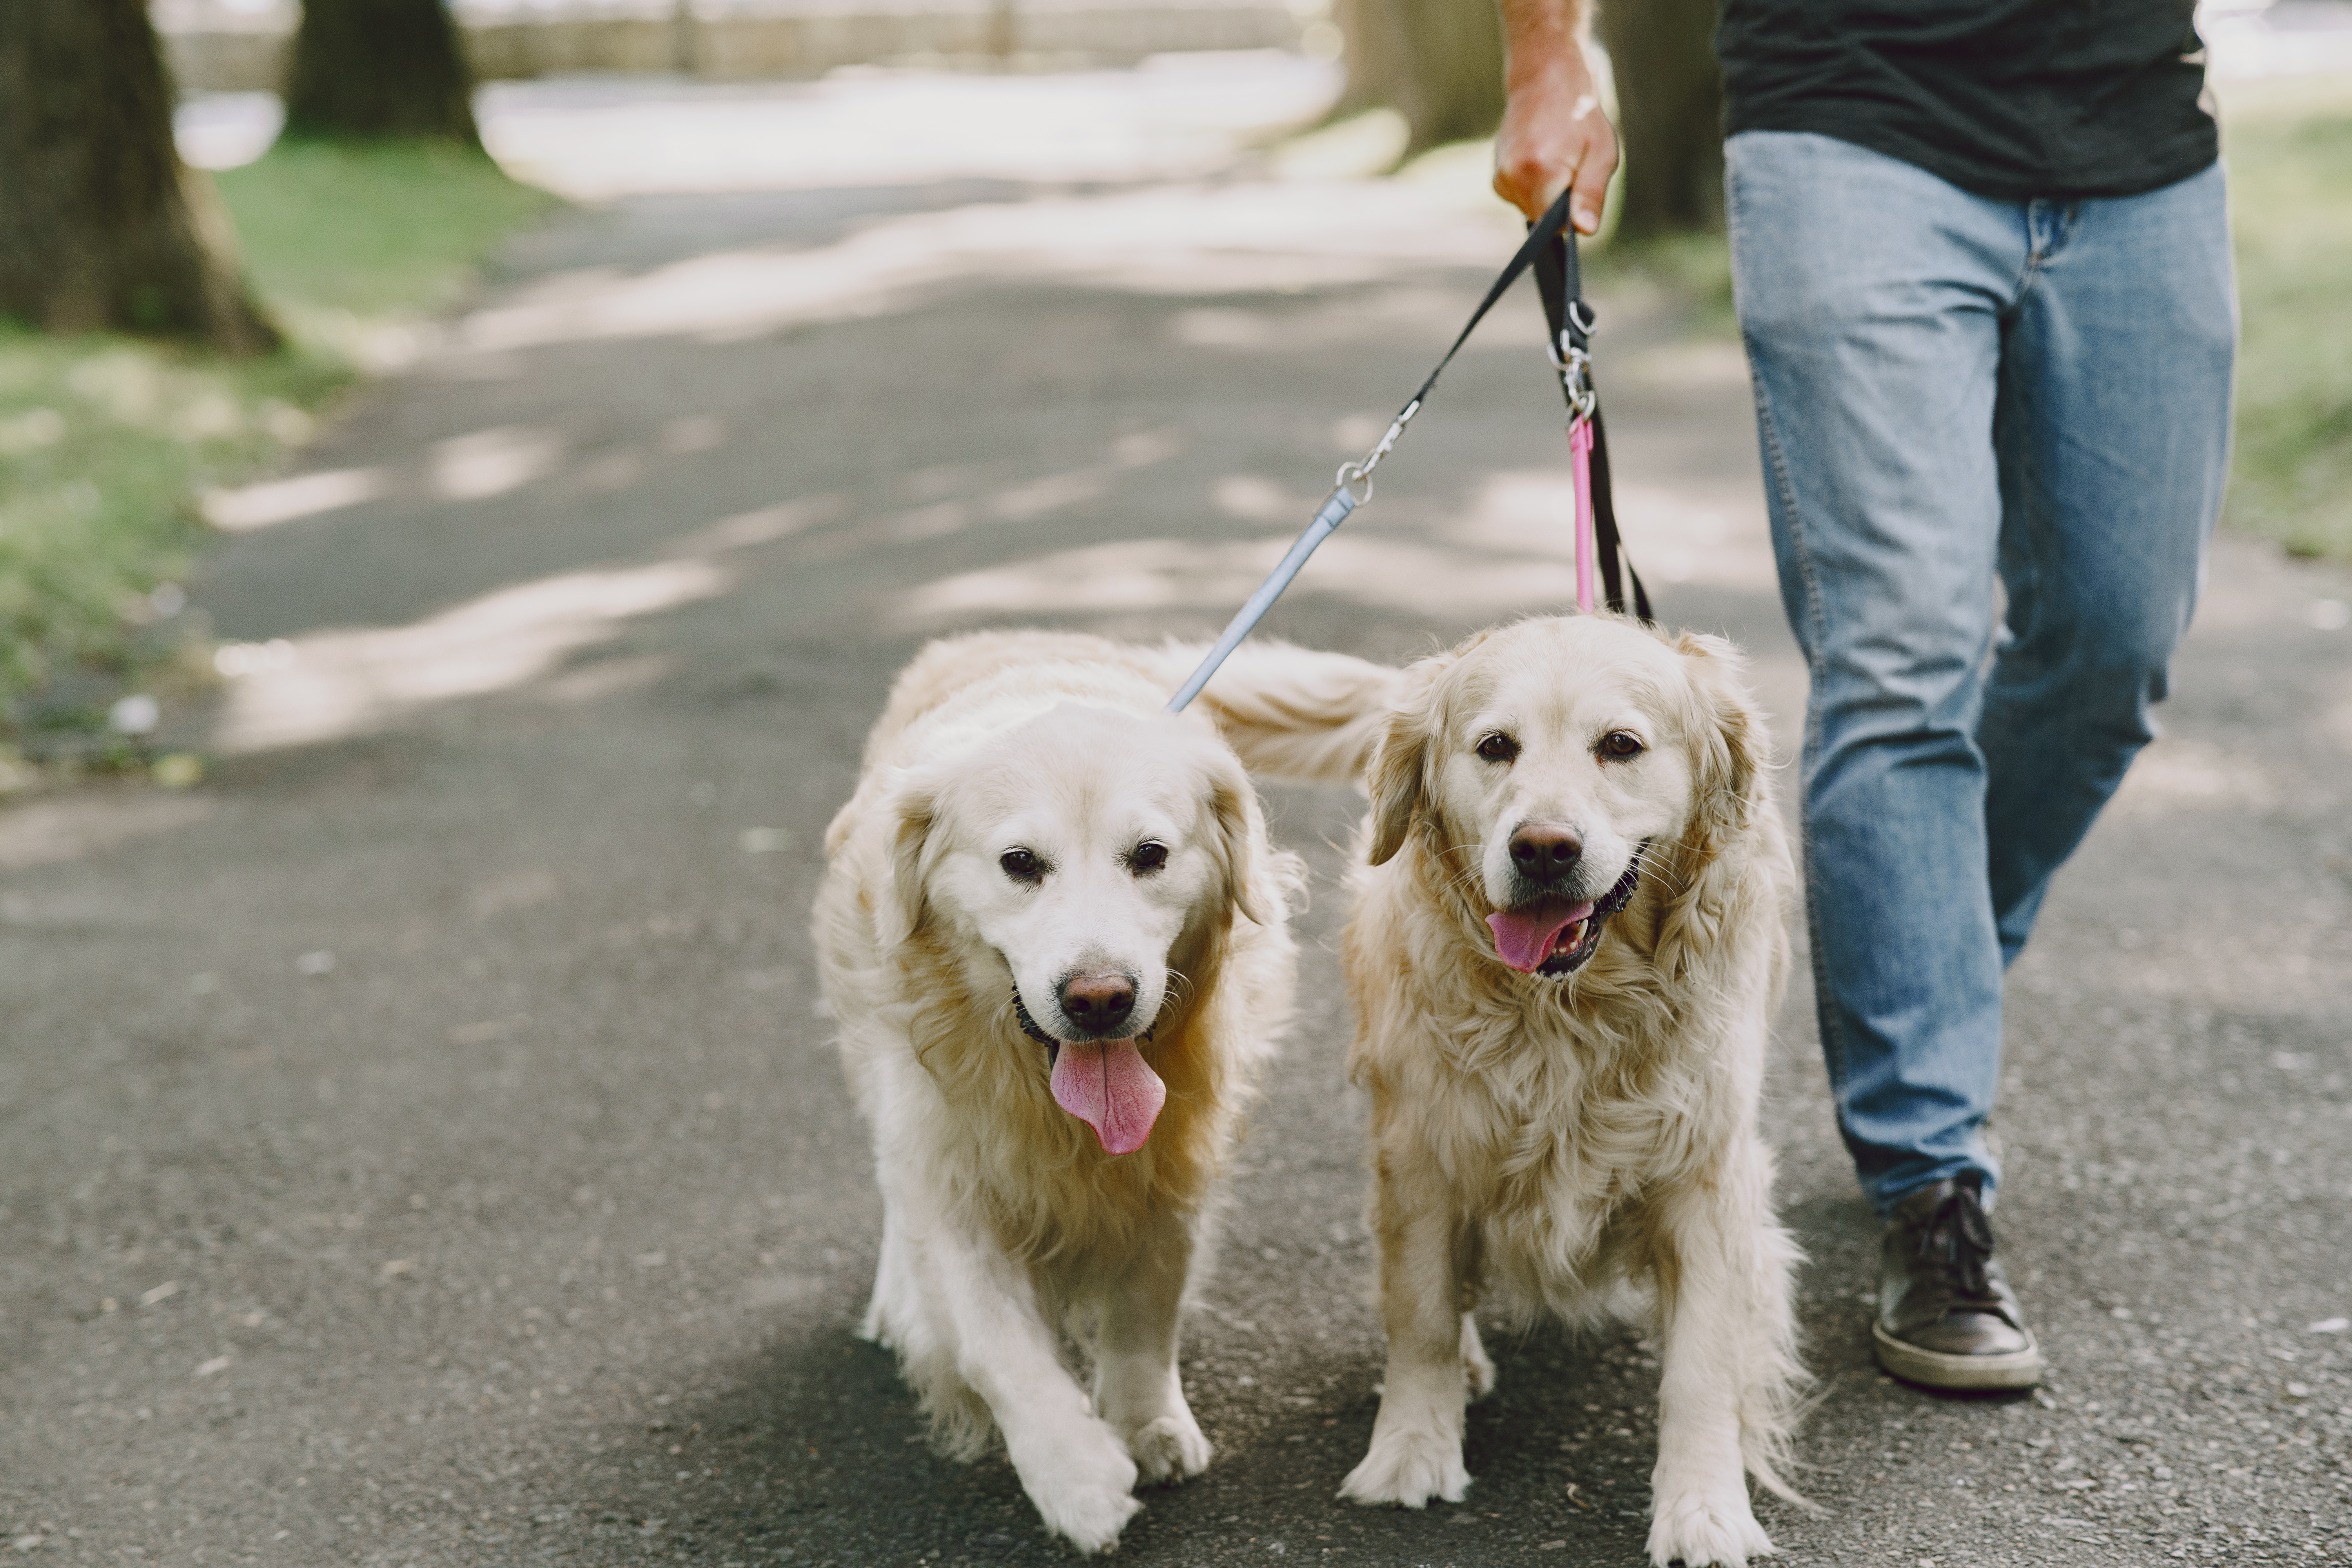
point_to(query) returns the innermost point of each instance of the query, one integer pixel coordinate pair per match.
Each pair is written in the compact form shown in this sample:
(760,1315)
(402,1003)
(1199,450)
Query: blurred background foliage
(2289,145)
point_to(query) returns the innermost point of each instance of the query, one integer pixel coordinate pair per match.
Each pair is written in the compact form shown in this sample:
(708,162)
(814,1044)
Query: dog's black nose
(1545,852)
(1097,1004)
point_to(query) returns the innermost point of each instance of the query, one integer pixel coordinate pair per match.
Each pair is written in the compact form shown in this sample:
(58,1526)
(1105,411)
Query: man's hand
(1553,134)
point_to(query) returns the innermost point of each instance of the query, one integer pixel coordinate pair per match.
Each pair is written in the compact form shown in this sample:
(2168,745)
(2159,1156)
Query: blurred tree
(100,225)
(1669,112)
(380,68)
(1439,63)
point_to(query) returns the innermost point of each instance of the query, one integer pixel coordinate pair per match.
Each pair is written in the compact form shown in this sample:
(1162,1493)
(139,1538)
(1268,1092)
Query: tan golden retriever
(1567,949)
(1054,937)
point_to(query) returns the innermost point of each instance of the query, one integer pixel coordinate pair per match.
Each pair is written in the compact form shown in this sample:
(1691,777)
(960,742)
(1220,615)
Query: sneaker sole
(1936,1369)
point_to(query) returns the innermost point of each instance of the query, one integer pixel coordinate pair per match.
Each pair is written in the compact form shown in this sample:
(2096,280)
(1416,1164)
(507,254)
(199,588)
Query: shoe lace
(1958,1238)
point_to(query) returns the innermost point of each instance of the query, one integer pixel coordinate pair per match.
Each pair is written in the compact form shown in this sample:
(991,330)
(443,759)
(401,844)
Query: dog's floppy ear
(901,907)
(1734,860)
(1397,773)
(1731,748)
(1235,840)
(1395,777)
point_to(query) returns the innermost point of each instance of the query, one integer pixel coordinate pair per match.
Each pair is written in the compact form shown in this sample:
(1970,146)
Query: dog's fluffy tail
(1291,712)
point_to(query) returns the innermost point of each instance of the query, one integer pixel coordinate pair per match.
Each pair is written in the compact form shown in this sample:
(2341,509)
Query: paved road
(420,1144)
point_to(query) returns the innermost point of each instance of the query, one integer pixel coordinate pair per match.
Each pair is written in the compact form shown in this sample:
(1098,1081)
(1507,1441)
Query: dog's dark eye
(1498,748)
(1149,855)
(1619,744)
(1021,865)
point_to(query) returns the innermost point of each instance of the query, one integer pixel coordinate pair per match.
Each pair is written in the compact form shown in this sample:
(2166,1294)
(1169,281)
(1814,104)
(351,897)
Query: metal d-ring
(1355,473)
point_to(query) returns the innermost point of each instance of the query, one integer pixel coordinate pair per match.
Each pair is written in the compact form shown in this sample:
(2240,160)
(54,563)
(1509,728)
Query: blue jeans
(1954,393)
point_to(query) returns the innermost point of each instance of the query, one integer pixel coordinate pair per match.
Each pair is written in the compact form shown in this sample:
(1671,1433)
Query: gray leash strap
(1551,228)
(1326,522)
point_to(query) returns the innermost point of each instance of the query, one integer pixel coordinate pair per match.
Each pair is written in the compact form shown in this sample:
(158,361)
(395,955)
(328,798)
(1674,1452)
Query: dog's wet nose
(1545,852)
(1097,1004)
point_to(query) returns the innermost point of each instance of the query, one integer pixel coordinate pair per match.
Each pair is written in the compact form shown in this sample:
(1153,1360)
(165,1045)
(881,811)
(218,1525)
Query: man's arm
(1553,134)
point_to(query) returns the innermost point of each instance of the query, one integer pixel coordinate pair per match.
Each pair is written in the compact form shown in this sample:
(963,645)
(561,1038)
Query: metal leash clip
(1575,366)
(1363,470)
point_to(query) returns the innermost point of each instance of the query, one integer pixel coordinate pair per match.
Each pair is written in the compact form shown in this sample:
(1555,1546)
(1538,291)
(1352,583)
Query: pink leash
(1580,455)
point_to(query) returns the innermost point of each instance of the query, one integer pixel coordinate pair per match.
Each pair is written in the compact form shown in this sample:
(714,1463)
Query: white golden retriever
(1568,950)
(1054,937)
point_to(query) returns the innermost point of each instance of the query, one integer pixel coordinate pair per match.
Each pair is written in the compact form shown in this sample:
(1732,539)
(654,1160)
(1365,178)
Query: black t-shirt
(2010,98)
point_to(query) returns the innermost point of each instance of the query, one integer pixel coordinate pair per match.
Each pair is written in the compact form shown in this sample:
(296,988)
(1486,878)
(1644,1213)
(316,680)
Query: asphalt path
(422,1143)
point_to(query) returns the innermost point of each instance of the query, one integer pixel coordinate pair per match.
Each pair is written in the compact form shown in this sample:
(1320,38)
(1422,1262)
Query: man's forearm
(1553,132)
(1539,36)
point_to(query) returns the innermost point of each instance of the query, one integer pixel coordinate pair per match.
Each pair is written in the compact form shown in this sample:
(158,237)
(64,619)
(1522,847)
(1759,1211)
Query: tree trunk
(1437,62)
(380,68)
(100,226)
(1670,110)
(1373,30)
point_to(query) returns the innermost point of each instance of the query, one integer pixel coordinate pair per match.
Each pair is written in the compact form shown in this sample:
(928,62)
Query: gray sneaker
(1946,1318)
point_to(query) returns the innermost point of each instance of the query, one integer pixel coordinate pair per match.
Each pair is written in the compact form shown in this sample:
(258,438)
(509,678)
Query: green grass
(370,230)
(2289,145)
(105,442)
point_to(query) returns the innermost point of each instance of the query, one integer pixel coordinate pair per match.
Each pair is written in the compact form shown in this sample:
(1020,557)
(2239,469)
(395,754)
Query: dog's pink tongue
(1524,936)
(1108,1085)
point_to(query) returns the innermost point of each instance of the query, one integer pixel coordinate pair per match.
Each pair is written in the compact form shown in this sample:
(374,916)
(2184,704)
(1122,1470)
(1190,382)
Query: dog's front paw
(1706,1530)
(1171,1448)
(1407,1468)
(1084,1497)
(1083,1486)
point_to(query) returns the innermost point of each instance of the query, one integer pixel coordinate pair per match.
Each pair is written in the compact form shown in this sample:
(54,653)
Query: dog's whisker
(1463,878)
(1181,988)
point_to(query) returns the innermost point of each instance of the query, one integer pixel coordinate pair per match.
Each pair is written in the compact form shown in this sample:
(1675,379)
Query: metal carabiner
(1581,402)
(1387,443)
(1584,321)
(1574,365)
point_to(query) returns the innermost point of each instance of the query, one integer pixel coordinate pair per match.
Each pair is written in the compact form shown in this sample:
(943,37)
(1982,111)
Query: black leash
(1559,282)
(1550,250)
